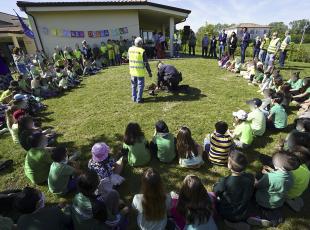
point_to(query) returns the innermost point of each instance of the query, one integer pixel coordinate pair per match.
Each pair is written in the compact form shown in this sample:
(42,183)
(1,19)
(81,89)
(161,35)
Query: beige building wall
(29,45)
(84,21)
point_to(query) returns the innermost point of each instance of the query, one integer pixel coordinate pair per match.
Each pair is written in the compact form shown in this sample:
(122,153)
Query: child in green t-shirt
(38,159)
(277,118)
(272,189)
(242,134)
(163,143)
(136,145)
(301,178)
(61,175)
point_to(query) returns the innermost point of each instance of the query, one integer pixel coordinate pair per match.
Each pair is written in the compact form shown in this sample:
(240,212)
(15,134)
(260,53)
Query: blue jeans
(221,50)
(269,58)
(137,82)
(243,49)
(282,58)
(262,55)
(256,52)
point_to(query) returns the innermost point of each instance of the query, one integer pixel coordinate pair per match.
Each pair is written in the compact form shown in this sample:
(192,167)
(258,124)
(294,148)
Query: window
(251,31)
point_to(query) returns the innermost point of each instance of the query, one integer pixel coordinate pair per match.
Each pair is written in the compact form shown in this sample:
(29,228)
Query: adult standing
(285,46)
(204,45)
(192,43)
(222,41)
(244,43)
(273,48)
(263,48)
(232,44)
(256,47)
(20,61)
(212,51)
(137,64)
(5,74)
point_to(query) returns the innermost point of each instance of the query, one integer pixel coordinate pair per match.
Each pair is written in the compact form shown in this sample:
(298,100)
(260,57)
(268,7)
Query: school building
(68,23)
(253,29)
(12,35)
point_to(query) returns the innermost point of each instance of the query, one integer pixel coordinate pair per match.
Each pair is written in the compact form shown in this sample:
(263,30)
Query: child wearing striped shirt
(218,145)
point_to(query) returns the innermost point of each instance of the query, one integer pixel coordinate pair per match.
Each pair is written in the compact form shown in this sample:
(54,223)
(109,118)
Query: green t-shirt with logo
(301,177)
(244,132)
(37,165)
(59,177)
(279,116)
(165,147)
(296,85)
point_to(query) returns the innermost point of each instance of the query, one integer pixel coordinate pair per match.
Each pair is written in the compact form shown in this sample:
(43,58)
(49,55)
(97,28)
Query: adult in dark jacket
(244,43)
(222,43)
(168,76)
(232,44)
(256,47)
(212,51)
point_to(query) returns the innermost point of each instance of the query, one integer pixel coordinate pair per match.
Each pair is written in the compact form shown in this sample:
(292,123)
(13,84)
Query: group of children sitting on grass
(240,199)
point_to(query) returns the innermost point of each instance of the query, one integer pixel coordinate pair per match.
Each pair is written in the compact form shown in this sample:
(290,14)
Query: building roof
(249,25)
(9,23)
(23,4)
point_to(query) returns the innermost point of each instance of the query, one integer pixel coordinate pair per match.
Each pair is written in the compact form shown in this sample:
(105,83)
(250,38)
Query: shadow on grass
(185,93)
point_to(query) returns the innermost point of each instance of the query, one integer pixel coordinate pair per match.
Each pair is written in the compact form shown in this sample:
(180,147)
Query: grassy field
(102,107)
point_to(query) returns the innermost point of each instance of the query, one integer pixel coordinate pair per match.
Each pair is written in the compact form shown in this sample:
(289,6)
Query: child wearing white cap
(242,134)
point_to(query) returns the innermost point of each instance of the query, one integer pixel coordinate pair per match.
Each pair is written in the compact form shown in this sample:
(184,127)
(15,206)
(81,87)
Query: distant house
(69,23)
(254,29)
(11,35)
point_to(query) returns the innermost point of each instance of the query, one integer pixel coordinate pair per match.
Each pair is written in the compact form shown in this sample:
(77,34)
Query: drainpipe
(36,28)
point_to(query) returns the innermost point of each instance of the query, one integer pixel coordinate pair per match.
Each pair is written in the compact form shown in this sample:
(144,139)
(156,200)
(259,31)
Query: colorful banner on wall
(80,34)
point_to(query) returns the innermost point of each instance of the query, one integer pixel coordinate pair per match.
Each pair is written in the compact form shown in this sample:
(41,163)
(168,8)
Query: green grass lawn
(102,107)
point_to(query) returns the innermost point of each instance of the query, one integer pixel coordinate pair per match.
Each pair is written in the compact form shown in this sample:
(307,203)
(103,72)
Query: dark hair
(185,143)
(88,182)
(302,153)
(35,139)
(304,122)
(246,28)
(299,138)
(26,201)
(133,133)
(194,202)
(23,123)
(59,153)
(238,161)
(278,97)
(154,196)
(287,160)
(285,88)
(161,127)
(221,127)
(306,84)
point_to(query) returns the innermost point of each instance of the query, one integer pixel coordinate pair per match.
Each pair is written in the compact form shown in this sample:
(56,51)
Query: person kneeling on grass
(136,145)
(277,119)
(243,133)
(163,144)
(105,166)
(168,76)
(61,178)
(189,152)
(234,192)
(218,145)
(272,189)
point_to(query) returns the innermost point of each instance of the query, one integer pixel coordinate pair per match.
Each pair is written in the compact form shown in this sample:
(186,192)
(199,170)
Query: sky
(221,11)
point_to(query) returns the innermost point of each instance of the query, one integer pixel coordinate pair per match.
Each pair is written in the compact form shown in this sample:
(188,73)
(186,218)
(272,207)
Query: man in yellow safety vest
(273,48)
(138,63)
(263,48)
(285,46)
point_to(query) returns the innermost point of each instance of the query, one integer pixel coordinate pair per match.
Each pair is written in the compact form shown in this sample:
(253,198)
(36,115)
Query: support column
(171,35)
(163,29)
(15,41)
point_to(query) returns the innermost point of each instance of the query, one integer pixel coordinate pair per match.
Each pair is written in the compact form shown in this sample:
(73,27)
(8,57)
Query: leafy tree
(297,26)
(279,27)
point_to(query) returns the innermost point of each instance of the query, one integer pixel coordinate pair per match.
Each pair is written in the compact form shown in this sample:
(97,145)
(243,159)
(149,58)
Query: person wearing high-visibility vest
(273,48)
(104,53)
(138,63)
(263,48)
(284,47)
(111,53)
(78,54)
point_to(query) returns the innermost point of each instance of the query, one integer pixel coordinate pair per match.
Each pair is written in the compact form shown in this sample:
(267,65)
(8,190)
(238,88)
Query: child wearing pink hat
(106,167)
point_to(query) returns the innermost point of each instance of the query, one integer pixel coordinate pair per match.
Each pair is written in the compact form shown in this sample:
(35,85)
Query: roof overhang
(109,5)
